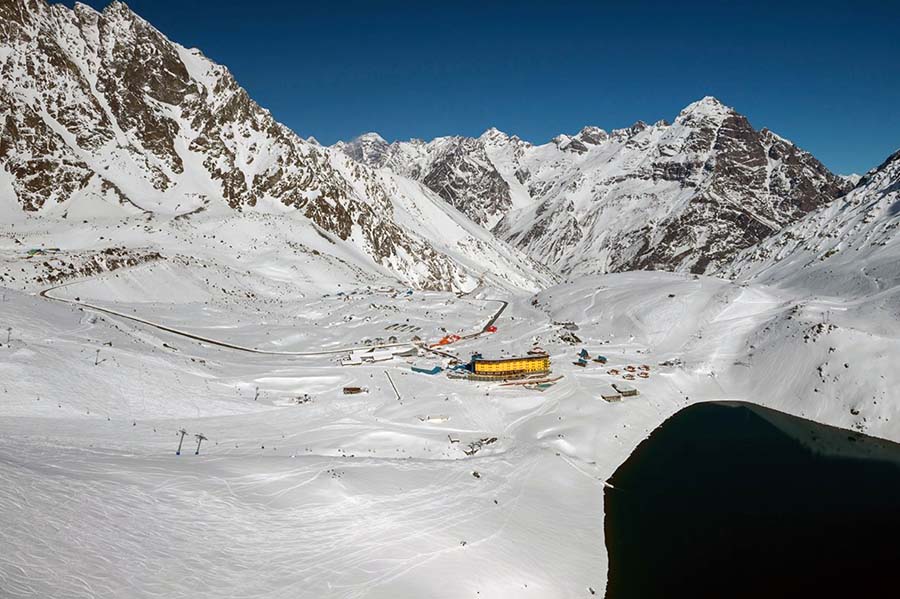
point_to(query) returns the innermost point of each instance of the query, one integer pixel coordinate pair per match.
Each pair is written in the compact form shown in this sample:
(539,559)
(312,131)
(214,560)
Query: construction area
(530,372)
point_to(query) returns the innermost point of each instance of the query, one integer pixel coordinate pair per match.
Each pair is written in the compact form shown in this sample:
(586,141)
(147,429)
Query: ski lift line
(180,440)
(46,294)
(200,439)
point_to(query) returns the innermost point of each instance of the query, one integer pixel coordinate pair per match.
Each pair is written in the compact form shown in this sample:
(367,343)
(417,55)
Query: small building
(625,389)
(372,355)
(381,356)
(438,418)
(609,394)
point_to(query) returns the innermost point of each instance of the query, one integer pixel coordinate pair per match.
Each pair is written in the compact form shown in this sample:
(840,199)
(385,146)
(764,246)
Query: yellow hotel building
(511,367)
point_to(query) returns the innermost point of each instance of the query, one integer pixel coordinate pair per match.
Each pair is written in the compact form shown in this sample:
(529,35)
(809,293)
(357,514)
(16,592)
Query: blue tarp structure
(434,370)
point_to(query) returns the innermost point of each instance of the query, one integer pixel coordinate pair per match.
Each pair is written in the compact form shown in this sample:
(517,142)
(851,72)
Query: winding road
(46,295)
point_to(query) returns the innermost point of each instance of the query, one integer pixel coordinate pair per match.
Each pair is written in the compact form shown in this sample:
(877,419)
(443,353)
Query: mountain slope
(847,248)
(685,196)
(457,168)
(102,115)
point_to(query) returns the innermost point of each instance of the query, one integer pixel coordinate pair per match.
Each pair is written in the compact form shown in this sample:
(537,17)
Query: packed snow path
(341,350)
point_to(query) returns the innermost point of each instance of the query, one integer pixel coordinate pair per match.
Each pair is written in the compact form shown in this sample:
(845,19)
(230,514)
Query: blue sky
(824,74)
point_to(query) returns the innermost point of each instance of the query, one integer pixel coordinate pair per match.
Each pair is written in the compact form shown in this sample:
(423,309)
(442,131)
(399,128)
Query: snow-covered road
(46,293)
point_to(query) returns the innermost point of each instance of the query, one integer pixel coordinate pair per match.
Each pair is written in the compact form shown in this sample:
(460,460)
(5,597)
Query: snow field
(367,495)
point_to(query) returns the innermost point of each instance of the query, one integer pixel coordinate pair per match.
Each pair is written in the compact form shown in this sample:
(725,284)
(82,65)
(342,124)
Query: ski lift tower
(180,441)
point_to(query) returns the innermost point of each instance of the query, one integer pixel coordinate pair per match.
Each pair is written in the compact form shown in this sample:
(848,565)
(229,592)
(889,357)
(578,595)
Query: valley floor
(302,491)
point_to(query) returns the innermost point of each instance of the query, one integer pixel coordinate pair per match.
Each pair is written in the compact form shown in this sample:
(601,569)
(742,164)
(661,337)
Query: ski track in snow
(362,496)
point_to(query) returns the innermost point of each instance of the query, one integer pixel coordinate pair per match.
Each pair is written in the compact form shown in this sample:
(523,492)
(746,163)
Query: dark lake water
(733,500)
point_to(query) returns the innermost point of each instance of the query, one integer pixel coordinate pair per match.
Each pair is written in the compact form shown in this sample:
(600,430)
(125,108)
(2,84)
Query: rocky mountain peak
(371,138)
(893,159)
(592,135)
(686,196)
(683,196)
(627,133)
(101,114)
(825,249)
(79,7)
(570,144)
(116,7)
(121,13)
(705,110)
(888,170)
(494,135)
(369,148)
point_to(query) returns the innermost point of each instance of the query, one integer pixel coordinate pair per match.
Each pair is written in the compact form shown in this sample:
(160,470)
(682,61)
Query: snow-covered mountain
(175,262)
(685,196)
(849,248)
(102,116)
(459,169)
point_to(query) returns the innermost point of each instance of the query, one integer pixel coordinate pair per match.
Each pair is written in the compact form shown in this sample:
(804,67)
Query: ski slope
(302,491)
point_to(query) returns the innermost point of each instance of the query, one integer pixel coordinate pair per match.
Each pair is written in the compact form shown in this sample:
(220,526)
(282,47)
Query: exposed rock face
(850,247)
(593,136)
(456,168)
(102,107)
(462,174)
(370,149)
(105,95)
(684,196)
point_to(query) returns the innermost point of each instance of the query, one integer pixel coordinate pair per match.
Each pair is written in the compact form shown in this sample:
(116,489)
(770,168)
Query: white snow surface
(302,491)
(454,488)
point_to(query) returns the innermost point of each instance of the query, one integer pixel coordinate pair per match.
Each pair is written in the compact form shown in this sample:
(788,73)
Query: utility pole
(200,439)
(180,441)
(97,358)
(8,334)
(397,393)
